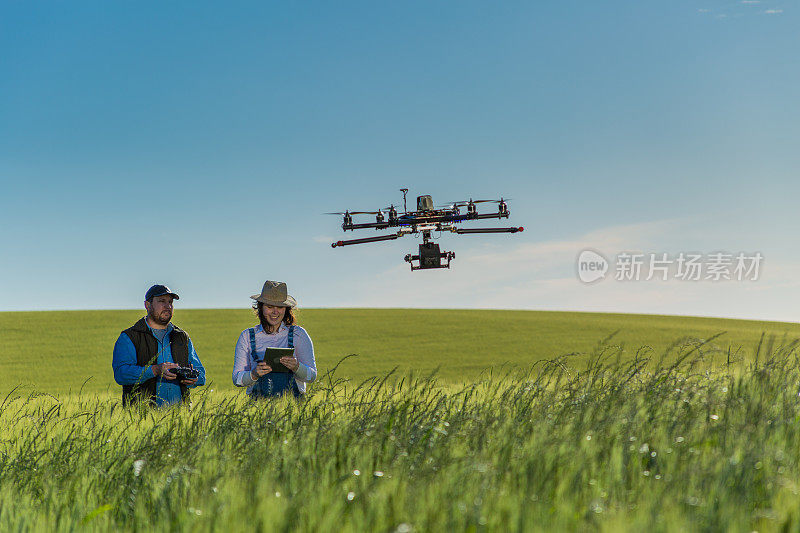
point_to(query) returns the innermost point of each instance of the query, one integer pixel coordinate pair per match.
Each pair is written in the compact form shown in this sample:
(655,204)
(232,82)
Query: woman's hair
(288,318)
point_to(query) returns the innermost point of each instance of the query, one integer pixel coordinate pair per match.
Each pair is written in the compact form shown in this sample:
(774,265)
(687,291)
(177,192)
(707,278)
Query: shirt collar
(170,327)
(260,328)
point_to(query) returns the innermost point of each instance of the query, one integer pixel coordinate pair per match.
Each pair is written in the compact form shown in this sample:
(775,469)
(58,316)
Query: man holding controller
(154,360)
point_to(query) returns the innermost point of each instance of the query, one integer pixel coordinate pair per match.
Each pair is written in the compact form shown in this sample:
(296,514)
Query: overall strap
(291,336)
(253,353)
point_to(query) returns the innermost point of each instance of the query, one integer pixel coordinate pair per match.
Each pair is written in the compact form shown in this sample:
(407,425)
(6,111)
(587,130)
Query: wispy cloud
(741,8)
(499,275)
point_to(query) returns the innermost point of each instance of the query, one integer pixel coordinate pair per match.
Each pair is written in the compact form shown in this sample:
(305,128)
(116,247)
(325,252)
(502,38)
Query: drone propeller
(467,202)
(451,205)
(354,213)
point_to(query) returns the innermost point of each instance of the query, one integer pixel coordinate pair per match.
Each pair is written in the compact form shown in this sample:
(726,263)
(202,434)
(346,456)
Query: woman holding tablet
(259,363)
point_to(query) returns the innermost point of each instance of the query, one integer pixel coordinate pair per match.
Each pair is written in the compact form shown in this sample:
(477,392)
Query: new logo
(591,266)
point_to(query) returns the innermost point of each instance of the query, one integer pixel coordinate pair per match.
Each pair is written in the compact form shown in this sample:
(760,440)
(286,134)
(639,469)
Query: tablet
(273,358)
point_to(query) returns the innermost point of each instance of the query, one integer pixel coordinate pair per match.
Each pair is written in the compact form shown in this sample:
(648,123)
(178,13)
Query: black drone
(426,219)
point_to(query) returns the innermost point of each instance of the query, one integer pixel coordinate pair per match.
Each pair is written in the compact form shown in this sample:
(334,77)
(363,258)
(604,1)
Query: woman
(276,329)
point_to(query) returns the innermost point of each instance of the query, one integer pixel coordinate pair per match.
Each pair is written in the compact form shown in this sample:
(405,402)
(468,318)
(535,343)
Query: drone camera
(424,203)
(430,257)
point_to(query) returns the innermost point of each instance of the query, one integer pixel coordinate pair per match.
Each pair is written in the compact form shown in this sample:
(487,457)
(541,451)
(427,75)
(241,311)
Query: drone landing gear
(430,257)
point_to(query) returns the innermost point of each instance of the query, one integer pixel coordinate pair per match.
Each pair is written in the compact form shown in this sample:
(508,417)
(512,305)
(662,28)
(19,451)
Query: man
(145,353)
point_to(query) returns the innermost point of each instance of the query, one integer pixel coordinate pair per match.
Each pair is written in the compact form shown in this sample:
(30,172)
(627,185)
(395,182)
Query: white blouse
(243,361)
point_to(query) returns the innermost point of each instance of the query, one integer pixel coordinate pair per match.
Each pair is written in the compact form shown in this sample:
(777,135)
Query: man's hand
(163,370)
(290,362)
(261,368)
(189,381)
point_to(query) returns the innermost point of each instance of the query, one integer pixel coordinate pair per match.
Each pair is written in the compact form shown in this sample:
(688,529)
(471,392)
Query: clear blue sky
(197,144)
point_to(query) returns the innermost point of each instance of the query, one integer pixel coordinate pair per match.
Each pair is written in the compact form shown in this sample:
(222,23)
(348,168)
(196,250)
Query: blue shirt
(128,372)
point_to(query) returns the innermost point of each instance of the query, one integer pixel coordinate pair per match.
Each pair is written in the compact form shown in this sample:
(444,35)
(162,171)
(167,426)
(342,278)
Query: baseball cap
(159,290)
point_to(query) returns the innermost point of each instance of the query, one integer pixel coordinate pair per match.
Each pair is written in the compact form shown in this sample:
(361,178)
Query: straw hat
(274,293)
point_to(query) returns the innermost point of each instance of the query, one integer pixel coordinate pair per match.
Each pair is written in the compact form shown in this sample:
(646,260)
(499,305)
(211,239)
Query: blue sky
(197,145)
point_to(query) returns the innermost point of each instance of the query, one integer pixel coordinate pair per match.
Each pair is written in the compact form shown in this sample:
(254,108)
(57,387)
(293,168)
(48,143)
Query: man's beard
(158,320)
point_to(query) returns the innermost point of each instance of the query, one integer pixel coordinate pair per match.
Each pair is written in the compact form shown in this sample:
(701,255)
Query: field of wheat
(684,439)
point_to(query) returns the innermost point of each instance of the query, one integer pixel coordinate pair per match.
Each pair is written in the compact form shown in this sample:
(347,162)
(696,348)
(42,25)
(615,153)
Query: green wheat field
(421,420)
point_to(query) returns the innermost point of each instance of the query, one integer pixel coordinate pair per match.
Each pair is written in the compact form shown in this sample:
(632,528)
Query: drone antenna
(405,207)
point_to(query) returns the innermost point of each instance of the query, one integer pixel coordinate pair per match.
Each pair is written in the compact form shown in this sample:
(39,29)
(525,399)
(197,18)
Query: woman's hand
(290,362)
(261,368)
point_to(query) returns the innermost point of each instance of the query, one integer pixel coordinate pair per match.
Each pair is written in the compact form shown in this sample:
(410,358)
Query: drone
(426,219)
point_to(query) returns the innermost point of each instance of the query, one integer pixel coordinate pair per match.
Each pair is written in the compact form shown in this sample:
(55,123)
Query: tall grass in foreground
(623,443)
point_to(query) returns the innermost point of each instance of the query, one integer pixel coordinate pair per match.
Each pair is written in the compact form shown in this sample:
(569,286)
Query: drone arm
(491,215)
(462,231)
(376,225)
(366,240)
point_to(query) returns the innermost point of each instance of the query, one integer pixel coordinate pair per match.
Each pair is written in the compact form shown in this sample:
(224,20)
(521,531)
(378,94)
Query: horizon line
(418,309)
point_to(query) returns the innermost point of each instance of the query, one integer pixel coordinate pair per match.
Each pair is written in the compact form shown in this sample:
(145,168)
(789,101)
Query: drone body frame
(425,220)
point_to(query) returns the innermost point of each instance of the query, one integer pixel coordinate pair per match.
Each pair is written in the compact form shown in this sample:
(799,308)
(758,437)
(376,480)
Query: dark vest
(147,354)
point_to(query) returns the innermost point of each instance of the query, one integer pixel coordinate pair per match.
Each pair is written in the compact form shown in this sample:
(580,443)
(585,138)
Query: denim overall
(273,384)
